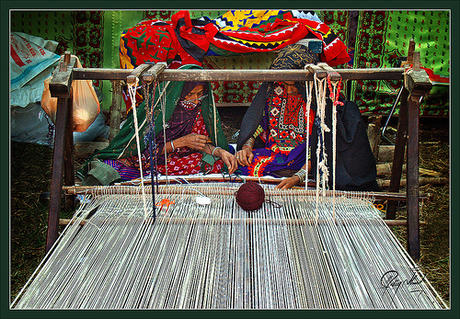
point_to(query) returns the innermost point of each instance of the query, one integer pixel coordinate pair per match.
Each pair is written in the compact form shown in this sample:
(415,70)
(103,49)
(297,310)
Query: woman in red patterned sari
(187,142)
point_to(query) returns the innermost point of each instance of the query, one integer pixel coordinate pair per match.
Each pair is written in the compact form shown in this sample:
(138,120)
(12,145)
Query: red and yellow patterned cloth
(186,41)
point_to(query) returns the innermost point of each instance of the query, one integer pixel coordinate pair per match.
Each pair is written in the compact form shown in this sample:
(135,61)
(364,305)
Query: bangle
(172,145)
(302,174)
(215,148)
(250,142)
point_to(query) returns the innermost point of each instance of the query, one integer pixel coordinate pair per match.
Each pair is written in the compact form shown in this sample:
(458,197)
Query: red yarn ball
(250,196)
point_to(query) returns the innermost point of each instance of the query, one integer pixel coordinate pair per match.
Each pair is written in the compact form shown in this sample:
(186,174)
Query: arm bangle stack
(250,142)
(302,174)
(172,145)
(215,148)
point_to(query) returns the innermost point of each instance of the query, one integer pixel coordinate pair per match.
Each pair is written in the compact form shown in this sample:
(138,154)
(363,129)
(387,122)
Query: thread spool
(250,196)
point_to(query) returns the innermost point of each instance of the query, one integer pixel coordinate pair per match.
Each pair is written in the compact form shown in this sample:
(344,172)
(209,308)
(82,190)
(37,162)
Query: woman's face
(290,87)
(195,94)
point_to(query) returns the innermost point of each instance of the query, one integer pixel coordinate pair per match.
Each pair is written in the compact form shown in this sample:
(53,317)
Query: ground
(31,173)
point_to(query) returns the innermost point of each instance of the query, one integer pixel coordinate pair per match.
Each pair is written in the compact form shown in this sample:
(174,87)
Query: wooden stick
(180,220)
(335,76)
(423,181)
(152,74)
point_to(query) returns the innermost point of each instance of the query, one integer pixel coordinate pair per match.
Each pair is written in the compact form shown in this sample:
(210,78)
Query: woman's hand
(245,156)
(193,141)
(288,182)
(228,158)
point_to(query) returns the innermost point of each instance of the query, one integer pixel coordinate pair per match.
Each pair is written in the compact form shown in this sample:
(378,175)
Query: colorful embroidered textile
(183,40)
(284,125)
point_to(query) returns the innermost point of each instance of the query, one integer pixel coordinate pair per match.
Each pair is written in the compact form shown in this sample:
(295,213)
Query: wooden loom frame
(416,86)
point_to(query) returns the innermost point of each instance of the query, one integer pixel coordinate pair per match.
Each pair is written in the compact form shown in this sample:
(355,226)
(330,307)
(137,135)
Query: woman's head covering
(294,56)
(189,86)
(183,117)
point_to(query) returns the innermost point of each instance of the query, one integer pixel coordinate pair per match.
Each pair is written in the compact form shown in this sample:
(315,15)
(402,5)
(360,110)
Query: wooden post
(60,87)
(398,156)
(401,138)
(115,109)
(413,244)
(58,168)
(418,84)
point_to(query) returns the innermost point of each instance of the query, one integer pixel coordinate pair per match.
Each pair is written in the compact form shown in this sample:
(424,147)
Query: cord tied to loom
(334,96)
(132,88)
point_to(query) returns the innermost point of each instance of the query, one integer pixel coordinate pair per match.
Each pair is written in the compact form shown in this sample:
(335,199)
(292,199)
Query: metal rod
(392,109)
(300,192)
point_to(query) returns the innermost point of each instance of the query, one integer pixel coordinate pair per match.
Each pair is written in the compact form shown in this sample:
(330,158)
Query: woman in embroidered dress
(273,131)
(194,139)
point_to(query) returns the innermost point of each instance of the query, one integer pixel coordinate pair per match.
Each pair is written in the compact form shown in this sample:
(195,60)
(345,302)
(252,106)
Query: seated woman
(276,125)
(194,139)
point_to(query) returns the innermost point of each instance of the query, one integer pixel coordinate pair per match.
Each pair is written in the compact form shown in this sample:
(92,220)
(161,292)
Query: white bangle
(172,145)
(215,148)
(302,174)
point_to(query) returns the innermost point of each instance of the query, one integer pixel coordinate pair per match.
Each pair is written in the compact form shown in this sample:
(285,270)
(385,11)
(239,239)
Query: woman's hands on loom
(228,158)
(295,179)
(193,141)
(245,156)
(288,182)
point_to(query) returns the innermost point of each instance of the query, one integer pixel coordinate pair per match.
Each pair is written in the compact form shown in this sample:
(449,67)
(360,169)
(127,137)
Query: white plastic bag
(85,104)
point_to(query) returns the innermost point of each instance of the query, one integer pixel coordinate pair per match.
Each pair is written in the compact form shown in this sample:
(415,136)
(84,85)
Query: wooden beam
(316,69)
(138,71)
(153,73)
(61,81)
(334,75)
(239,75)
(295,191)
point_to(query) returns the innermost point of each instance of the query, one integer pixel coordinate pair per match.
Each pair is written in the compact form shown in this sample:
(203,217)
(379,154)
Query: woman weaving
(273,131)
(192,137)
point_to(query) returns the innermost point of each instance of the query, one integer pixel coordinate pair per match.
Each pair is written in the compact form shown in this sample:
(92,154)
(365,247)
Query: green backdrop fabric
(382,39)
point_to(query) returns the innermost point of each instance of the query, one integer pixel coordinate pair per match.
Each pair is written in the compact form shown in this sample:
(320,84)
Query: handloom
(308,251)
(220,256)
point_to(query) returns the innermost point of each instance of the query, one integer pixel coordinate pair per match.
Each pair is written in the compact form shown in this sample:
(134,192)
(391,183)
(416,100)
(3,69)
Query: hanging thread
(132,88)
